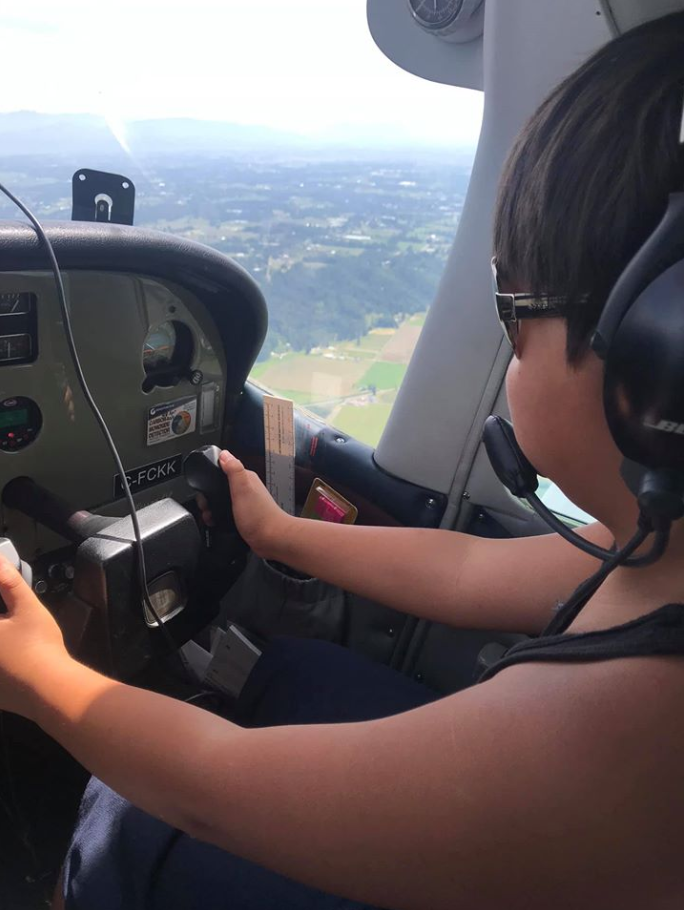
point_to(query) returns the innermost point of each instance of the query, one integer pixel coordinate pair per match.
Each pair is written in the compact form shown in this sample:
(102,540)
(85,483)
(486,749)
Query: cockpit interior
(168,331)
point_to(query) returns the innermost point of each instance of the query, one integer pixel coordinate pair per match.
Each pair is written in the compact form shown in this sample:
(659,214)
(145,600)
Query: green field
(370,342)
(259,369)
(334,383)
(314,375)
(383,376)
(365,424)
(356,353)
(301,398)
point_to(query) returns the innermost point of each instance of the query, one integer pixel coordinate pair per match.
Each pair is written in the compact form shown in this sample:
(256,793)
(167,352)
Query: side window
(554,499)
(354,258)
(350,249)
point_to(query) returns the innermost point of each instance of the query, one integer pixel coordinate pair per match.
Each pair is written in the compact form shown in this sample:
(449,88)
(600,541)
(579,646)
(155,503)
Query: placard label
(171,420)
(148,475)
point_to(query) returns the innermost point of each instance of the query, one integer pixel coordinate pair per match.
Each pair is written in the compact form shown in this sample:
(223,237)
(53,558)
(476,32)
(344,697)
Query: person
(551,784)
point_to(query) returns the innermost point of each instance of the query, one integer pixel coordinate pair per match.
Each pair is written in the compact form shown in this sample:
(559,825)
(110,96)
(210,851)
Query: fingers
(229,463)
(205,511)
(243,483)
(232,467)
(13,589)
(236,474)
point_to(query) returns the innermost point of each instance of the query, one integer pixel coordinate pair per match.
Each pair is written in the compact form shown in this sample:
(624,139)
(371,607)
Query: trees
(348,296)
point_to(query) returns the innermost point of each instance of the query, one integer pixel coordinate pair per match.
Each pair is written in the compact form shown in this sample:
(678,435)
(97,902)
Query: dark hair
(588,178)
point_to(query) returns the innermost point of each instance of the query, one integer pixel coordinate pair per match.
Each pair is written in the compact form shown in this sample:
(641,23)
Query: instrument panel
(18,336)
(155,364)
(166,331)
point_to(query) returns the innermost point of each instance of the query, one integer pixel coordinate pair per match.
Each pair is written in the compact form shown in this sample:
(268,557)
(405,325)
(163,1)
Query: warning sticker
(171,420)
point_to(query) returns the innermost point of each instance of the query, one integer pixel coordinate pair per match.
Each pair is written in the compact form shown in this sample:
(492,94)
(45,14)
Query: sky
(306,66)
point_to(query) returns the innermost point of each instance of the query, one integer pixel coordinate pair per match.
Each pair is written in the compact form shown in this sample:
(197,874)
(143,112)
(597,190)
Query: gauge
(435,14)
(167,355)
(441,15)
(15,347)
(159,347)
(18,328)
(15,304)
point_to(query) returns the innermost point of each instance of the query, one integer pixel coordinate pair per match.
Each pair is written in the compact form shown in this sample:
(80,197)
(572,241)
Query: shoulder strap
(660,632)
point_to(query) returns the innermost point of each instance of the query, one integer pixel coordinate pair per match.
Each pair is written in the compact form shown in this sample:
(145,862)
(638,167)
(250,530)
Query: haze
(305,66)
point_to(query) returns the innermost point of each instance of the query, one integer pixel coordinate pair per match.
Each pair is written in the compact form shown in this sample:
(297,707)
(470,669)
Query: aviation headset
(640,339)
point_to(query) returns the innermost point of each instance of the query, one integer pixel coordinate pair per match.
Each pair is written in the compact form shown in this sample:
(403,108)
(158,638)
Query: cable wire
(580,597)
(556,524)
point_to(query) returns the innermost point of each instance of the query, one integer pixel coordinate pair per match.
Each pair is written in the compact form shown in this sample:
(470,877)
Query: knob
(8,550)
(203,473)
(60,571)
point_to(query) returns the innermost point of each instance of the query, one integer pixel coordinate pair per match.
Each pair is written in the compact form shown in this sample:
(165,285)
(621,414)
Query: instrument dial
(167,355)
(15,304)
(435,14)
(159,347)
(15,347)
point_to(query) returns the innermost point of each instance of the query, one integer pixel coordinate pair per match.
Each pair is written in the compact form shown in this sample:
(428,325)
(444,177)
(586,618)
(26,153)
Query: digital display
(13,418)
(20,423)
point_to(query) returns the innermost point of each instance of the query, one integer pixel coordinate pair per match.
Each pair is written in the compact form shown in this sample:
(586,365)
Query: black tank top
(660,632)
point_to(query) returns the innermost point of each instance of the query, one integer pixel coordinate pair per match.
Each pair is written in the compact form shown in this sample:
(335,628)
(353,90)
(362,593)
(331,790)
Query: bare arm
(483,799)
(445,576)
(514,793)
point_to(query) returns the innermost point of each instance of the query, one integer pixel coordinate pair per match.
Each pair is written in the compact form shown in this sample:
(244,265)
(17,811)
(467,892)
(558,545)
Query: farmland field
(315,374)
(352,385)
(400,346)
(363,423)
(383,375)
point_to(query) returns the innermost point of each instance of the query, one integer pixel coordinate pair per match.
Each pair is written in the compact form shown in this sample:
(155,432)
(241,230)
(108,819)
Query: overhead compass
(440,15)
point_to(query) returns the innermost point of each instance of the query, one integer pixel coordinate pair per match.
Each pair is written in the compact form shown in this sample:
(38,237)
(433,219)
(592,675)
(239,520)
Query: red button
(10,435)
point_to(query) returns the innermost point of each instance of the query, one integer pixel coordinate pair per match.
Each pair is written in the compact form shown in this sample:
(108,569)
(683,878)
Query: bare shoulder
(550,786)
(558,785)
(585,764)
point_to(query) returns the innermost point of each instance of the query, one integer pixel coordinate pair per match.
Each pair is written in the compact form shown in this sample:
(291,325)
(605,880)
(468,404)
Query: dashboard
(166,331)
(155,364)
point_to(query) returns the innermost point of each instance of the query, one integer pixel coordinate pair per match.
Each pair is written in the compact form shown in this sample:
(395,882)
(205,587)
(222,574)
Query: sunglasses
(511,308)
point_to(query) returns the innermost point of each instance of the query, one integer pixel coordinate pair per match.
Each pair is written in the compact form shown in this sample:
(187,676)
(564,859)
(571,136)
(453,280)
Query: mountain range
(29,133)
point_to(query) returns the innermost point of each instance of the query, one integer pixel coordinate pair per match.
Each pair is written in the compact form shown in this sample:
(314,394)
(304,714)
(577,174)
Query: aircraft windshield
(277,133)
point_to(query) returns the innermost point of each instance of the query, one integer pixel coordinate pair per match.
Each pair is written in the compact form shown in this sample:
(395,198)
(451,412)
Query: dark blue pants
(123,859)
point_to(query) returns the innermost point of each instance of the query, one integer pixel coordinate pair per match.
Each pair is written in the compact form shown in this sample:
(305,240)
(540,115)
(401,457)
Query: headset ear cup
(644,375)
(662,249)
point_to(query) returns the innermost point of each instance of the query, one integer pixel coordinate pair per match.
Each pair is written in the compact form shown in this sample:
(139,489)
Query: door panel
(443,657)
(343,462)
